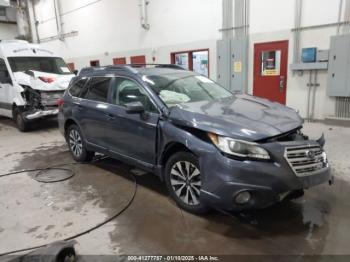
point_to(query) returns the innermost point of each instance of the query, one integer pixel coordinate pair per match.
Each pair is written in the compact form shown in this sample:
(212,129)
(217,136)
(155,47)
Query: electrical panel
(339,66)
(231,64)
(223,63)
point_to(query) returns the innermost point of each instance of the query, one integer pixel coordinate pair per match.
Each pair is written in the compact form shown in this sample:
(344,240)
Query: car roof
(136,69)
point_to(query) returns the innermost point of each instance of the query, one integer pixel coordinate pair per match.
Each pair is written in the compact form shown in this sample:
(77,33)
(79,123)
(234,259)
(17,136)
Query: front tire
(183,181)
(77,145)
(21,123)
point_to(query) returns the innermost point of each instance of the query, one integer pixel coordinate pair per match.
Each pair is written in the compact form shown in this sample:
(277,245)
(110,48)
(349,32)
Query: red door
(270,70)
(119,61)
(140,59)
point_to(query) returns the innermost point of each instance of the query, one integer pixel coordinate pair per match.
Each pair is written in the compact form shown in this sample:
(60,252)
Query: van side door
(5,87)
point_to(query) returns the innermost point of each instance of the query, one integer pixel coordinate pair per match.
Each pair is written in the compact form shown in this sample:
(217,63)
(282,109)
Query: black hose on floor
(128,204)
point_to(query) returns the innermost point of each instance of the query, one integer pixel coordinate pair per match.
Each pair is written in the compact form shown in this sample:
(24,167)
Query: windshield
(185,87)
(53,65)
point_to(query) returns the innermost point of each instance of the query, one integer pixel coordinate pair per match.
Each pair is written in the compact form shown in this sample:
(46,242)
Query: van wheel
(77,145)
(21,123)
(183,181)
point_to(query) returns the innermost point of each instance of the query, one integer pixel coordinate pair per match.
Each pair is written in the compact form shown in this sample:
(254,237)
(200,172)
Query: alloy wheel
(186,182)
(76,143)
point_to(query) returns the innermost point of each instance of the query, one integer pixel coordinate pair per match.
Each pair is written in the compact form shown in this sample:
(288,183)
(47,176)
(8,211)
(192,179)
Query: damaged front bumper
(40,114)
(294,166)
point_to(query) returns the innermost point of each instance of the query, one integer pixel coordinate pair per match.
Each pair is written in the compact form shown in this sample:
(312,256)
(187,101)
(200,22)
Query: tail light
(60,102)
(46,79)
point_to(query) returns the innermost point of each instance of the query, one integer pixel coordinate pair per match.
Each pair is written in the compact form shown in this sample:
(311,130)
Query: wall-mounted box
(308,55)
(322,56)
(339,66)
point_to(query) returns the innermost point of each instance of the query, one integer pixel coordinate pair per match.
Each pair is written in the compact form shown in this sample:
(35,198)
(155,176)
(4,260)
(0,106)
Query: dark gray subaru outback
(211,147)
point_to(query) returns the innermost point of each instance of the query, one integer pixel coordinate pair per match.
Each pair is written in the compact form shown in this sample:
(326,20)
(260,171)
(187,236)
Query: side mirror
(75,72)
(134,108)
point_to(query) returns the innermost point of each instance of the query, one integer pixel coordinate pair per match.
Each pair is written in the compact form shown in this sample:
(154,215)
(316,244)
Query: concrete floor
(34,213)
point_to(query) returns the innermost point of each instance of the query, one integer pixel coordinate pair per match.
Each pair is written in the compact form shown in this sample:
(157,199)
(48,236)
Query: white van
(32,80)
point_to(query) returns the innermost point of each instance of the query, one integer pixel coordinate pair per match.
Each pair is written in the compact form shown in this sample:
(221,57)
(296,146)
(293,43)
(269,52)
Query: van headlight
(239,148)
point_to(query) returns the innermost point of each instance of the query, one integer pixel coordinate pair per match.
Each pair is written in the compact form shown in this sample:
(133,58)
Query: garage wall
(111,28)
(114,25)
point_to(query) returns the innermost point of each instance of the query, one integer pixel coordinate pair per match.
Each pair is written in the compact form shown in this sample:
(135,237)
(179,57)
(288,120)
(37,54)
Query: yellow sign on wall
(237,67)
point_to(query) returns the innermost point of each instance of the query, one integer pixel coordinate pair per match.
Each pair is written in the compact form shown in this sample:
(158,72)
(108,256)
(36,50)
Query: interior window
(98,89)
(127,91)
(77,87)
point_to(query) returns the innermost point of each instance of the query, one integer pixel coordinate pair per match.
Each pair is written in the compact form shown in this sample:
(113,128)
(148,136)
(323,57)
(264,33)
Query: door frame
(287,57)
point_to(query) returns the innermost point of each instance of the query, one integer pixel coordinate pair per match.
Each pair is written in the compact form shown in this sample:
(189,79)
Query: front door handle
(281,86)
(110,116)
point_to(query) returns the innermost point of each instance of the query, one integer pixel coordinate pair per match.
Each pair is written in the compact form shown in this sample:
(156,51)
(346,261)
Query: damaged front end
(39,103)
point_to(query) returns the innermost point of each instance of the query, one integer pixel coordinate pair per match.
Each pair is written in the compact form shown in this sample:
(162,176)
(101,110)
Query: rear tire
(183,181)
(77,145)
(20,121)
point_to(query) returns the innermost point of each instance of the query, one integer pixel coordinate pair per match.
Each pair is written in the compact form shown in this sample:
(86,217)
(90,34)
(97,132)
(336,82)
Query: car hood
(241,117)
(60,82)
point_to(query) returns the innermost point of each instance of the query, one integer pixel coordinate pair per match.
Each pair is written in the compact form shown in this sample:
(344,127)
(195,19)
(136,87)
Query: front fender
(170,134)
(19,101)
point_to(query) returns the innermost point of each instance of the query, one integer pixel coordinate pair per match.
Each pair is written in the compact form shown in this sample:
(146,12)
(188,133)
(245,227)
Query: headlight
(239,148)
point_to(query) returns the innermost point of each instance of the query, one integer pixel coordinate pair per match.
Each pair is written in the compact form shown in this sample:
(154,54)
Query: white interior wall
(111,28)
(316,12)
(271,15)
(106,27)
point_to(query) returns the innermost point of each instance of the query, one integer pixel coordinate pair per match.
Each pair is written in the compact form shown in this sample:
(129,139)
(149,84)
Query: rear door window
(98,89)
(77,87)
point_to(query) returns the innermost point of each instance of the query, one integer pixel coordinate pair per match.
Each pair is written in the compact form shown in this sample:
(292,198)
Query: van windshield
(184,87)
(53,65)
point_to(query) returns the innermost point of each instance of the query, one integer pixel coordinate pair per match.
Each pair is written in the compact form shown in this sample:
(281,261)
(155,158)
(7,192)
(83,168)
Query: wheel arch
(68,123)
(172,148)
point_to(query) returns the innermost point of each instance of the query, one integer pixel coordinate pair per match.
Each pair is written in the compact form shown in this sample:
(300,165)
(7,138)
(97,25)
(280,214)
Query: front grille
(306,160)
(51,98)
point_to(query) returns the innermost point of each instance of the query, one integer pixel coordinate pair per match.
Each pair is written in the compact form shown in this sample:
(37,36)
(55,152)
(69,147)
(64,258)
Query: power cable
(55,167)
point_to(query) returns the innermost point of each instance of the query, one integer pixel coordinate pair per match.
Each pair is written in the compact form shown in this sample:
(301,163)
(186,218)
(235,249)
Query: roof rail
(127,67)
(104,69)
(172,66)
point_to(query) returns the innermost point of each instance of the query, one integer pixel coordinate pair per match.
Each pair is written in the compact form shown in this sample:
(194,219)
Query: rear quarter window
(77,87)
